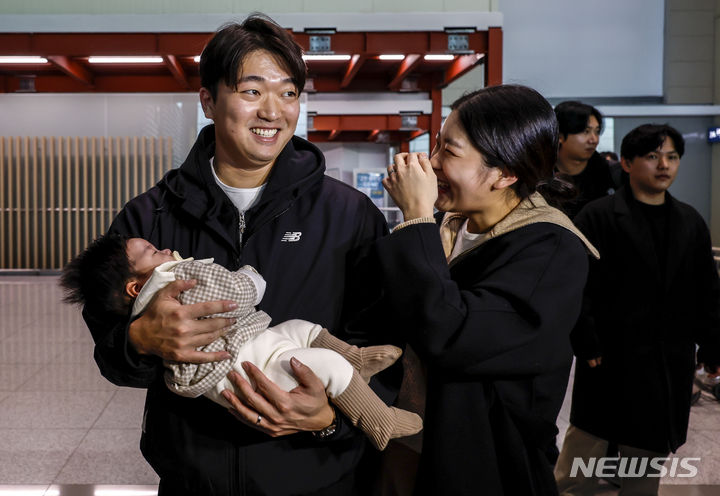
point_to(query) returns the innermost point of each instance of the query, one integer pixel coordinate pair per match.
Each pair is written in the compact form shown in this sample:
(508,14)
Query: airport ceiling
(397,61)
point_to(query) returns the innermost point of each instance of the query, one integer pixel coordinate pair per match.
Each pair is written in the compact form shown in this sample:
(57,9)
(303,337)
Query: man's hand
(594,362)
(305,408)
(171,330)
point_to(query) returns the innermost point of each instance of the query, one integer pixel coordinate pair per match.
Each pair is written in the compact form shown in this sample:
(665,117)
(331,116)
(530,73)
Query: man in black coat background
(580,127)
(651,297)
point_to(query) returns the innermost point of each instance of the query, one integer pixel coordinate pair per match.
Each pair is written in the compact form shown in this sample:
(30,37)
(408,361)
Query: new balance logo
(291,237)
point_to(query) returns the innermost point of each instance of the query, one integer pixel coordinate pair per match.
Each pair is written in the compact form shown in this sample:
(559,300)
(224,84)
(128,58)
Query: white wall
(105,114)
(349,156)
(105,7)
(580,48)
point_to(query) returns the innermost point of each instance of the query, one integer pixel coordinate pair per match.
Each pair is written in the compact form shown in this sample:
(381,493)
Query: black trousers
(344,487)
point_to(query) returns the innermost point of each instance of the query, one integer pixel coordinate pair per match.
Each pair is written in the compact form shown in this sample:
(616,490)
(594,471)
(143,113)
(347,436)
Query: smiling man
(651,297)
(249,192)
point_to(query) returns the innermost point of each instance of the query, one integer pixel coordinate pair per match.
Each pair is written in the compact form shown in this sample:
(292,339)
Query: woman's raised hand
(412,184)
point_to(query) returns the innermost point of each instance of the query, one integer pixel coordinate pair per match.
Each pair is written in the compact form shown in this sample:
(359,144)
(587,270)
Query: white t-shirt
(465,241)
(242,198)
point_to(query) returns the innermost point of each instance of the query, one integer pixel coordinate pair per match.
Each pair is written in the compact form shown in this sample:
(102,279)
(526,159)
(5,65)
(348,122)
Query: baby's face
(144,257)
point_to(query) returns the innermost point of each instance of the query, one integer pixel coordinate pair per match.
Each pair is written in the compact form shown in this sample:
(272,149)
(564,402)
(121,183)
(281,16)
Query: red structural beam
(368,123)
(493,64)
(375,43)
(176,70)
(352,69)
(409,63)
(72,69)
(105,84)
(190,44)
(359,137)
(65,49)
(183,44)
(460,66)
(84,44)
(435,116)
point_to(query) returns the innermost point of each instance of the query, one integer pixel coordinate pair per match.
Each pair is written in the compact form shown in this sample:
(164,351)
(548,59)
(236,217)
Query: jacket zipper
(241,228)
(257,228)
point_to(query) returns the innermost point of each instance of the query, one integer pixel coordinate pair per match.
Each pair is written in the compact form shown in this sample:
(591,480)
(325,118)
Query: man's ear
(505,180)
(132,288)
(207,102)
(625,163)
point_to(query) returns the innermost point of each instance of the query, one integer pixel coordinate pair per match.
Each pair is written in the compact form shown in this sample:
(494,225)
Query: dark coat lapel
(678,242)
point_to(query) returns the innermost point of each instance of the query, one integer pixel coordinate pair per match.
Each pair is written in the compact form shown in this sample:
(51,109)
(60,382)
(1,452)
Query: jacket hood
(531,210)
(299,166)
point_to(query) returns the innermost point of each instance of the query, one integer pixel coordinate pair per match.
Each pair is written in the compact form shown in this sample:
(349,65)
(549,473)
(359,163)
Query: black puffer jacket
(306,237)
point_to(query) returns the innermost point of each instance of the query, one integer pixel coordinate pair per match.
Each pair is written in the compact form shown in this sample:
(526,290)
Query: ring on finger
(391,171)
(259,419)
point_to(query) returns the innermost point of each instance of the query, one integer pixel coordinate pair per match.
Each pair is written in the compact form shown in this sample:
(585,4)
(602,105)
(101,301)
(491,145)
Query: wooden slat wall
(58,193)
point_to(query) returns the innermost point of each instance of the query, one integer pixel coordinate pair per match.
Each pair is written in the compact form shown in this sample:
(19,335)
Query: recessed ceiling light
(439,57)
(23,59)
(196,58)
(326,57)
(392,57)
(125,60)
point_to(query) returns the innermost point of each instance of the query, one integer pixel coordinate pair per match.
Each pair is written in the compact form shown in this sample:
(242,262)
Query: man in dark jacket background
(249,192)
(652,296)
(580,127)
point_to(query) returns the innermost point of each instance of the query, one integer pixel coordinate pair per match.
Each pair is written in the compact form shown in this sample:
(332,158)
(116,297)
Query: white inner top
(242,198)
(465,241)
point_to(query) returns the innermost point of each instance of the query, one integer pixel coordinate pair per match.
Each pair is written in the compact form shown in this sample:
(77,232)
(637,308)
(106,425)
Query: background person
(245,184)
(580,128)
(487,300)
(650,298)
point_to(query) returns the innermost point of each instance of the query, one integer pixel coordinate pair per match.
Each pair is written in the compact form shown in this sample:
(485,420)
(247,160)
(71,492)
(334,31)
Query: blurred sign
(369,181)
(713,135)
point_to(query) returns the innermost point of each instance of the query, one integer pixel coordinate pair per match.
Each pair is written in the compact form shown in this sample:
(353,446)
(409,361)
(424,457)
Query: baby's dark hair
(96,277)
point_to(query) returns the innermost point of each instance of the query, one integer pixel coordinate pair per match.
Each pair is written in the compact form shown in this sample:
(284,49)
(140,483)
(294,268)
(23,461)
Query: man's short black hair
(96,277)
(223,56)
(648,138)
(573,117)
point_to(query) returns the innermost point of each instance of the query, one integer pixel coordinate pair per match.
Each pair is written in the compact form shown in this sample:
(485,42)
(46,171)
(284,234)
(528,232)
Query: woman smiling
(488,299)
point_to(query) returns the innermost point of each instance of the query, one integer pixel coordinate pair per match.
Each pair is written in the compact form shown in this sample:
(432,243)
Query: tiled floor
(66,431)
(63,427)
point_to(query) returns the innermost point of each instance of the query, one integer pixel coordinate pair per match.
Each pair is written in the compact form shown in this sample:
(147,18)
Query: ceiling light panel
(326,57)
(125,60)
(23,59)
(431,56)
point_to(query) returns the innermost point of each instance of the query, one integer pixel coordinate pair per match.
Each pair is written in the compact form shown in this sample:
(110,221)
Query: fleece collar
(531,210)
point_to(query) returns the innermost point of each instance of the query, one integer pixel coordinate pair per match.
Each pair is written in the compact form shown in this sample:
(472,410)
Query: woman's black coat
(644,320)
(493,329)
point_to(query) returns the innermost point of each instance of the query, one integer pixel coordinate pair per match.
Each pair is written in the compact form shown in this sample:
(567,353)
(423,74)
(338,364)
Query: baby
(115,272)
